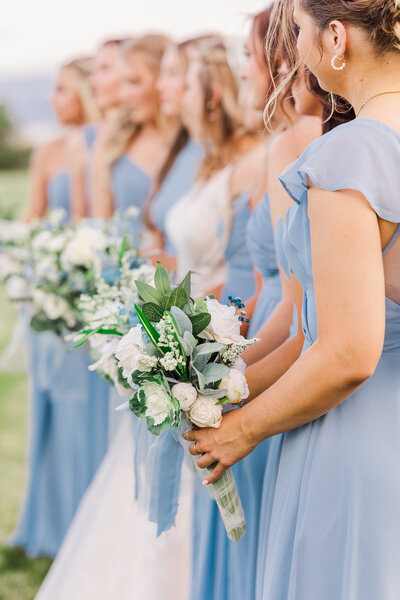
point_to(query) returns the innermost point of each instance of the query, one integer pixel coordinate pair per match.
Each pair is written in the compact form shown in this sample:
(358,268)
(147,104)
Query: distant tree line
(13,155)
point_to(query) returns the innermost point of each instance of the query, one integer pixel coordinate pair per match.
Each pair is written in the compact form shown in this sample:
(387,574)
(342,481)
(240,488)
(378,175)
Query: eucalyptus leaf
(213,372)
(199,375)
(162,280)
(185,284)
(152,311)
(211,393)
(203,353)
(177,297)
(188,343)
(183,322)
(148,293)
(200,322)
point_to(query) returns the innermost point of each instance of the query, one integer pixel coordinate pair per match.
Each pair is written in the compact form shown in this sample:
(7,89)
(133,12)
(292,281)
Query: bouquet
(184,360)
(109,313)
(15,240)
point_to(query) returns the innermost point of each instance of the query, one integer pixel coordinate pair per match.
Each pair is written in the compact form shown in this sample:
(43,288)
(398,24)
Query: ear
(337,37)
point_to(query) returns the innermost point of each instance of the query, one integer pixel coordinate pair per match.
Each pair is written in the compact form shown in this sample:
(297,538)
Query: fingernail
(205,482)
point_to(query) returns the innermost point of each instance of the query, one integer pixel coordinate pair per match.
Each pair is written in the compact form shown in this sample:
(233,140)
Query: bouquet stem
(229,505)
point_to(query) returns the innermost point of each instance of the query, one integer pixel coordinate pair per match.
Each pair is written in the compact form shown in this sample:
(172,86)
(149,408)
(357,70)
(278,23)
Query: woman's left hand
(223,447)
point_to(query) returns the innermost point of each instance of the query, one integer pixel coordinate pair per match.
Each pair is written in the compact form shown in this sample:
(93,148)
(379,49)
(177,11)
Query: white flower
(17,288)
(41,240)
(129,350)
(205,412)
(158,402)
(8,266)
(224,326)
(169,362)
(57,243)
(185,393)
(83,248)
(236,384)
(107,363)
(54,307)
(47,267)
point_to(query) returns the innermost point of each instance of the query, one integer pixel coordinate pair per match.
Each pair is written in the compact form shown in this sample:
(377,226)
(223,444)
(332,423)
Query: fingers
(215,474)
(205,461)
(191,436)
(195,449)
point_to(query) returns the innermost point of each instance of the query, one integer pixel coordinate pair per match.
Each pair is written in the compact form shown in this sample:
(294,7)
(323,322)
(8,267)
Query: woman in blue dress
(69,405)
(334,529)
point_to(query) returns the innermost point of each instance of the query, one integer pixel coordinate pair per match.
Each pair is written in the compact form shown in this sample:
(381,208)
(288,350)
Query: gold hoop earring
(334,65)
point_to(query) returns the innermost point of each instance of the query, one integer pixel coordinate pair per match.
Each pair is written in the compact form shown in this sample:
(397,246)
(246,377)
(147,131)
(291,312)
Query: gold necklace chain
(376,96)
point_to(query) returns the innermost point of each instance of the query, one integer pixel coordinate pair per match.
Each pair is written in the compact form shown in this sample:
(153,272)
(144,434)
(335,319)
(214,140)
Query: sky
(37,35)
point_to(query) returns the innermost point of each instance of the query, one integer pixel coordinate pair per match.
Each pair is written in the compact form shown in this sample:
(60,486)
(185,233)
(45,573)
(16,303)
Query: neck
(384,78)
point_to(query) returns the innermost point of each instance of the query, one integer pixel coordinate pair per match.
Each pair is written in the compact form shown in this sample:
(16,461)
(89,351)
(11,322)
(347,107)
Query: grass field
(20,577)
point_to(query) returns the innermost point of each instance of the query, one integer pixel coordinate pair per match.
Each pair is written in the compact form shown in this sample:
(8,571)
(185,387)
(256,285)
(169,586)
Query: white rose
(55,307)
(17,288)
(185,393)
(82,249)
(205,412)
(158,402)
(236,384)
(224,326)
(129,351)
(57,243)
(41,240)
(8,266)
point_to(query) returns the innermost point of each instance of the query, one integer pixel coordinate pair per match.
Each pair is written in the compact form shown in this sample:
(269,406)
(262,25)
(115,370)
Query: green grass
(20,577)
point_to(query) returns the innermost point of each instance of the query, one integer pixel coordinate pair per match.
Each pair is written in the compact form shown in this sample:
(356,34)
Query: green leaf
(122,251)
(162,280)
(183,322)
(137,405)
(200,322)
(148,293)
(188,343)
(148,327)
(212,393)
(213,372)
(224,400)
(153,312)
(199,375)
(159,429)
(203,353)
(185,284)
(177,297)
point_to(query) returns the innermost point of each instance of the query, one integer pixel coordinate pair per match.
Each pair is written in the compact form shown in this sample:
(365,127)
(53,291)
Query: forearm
(273,333)
(316,383)
(264,373)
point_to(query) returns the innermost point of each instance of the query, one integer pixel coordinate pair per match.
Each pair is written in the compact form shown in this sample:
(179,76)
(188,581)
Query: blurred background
(35,38)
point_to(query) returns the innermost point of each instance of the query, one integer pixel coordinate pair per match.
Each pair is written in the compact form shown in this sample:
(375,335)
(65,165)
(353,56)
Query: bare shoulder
(287,146)
(249,167)
(47,155)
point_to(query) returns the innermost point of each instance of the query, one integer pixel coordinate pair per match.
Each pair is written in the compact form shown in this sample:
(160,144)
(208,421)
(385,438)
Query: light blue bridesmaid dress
(131,188)
(69,427)
(226,570)
(333,513)
(260,241)
(178,182)
(240,277)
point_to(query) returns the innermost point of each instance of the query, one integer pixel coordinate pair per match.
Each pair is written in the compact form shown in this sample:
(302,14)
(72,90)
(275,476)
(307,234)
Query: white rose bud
(129,351)
(224,326)
(185,393)
(236,384)
(205,412)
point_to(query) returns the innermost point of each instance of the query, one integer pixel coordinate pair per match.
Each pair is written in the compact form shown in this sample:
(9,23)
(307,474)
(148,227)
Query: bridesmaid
(231,164)
(69,404)
(178,172)
(330,393)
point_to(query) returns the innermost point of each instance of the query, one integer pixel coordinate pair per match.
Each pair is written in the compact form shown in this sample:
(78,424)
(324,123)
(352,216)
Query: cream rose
(205,412)
(83,248)
(17,288)
(55,307)
(236,384)
(224,326)
(185,393)
(129,351)
(158,402)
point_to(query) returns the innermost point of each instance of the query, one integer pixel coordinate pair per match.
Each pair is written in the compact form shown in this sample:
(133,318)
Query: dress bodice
(177,183)
(131,188)
(374,173)
(192,226)
(260,239)
(59,192)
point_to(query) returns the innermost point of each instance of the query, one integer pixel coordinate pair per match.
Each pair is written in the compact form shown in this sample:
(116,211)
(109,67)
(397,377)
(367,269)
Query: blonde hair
(82,68)
(221,124)
(152,47)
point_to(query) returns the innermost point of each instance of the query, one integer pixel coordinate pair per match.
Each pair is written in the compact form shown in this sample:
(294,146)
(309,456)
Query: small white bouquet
(184,359)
